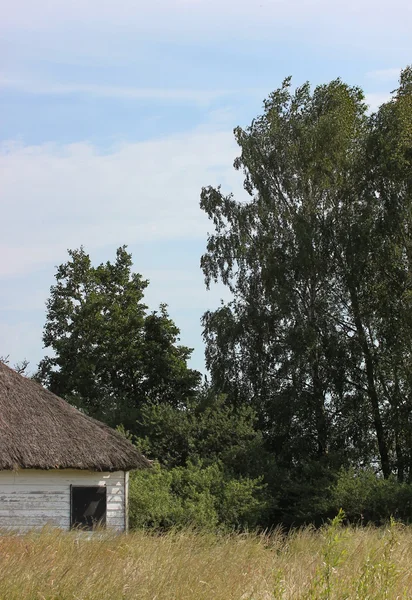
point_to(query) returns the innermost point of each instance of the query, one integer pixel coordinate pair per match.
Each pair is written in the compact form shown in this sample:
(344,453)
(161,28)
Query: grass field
(335,562)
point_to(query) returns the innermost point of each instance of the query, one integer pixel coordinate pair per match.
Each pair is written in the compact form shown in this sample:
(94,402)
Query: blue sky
(115,114)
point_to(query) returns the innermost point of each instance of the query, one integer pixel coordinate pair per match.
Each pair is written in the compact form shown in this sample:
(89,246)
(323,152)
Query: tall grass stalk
(333,563)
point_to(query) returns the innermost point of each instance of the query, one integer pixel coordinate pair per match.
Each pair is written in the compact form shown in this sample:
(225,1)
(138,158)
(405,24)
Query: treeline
(309,403)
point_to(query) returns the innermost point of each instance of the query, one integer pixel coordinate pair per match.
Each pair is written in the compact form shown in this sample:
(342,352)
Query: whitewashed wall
(33,498)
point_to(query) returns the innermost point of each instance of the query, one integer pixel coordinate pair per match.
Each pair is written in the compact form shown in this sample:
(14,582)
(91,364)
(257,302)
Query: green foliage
(209,429)
(276,343)
(310,361)
(388,570)
(195,496)
(318,335)
(110,355)
(302,495)
(241,503)
(367,498)
(333,556)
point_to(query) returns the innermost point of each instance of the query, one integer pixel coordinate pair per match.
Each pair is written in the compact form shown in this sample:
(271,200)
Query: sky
(115,114)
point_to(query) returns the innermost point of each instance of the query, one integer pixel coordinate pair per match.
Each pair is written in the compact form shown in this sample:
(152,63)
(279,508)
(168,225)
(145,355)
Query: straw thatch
(39,430)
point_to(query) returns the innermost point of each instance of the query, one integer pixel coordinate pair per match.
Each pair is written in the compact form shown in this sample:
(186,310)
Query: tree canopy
(110,355)
(317,336)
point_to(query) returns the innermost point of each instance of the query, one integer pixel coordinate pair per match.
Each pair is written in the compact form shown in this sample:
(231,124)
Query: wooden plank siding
(33,498)
(126,501)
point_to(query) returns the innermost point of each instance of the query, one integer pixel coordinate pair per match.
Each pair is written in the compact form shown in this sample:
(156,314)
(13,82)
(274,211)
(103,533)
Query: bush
(367,498)
(201,497)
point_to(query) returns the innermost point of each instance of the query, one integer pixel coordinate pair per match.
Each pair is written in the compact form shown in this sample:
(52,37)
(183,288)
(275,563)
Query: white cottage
(57,465)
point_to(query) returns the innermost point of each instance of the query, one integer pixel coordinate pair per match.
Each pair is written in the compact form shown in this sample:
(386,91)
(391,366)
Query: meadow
(332,563)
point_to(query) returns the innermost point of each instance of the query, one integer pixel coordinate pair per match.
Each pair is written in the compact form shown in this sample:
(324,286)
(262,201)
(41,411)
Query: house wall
(33,498)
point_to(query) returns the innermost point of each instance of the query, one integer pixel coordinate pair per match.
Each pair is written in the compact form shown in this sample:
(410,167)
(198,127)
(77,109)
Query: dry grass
(334,563)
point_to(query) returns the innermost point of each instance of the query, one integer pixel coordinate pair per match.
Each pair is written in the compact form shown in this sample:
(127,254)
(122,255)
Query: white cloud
(56,197)
(385,75)
(375,99)
(201,97)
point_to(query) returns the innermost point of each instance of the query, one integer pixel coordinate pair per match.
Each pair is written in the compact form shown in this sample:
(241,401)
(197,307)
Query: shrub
(201,497)
(365,497)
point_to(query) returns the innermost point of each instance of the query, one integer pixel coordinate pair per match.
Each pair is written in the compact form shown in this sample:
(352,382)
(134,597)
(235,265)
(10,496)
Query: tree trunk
(319,402)
(370,375)
(318,395)
(400,460)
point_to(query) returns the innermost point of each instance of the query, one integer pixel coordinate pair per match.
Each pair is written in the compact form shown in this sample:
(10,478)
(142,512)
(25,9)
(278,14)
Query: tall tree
(311,261)
(386,295)
(276,343)
(110,355)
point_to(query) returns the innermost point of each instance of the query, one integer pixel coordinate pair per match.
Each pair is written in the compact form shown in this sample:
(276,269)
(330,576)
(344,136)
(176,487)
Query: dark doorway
(88,507)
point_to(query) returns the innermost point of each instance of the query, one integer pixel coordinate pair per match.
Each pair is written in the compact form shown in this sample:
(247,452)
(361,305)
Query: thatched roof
(39,430)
